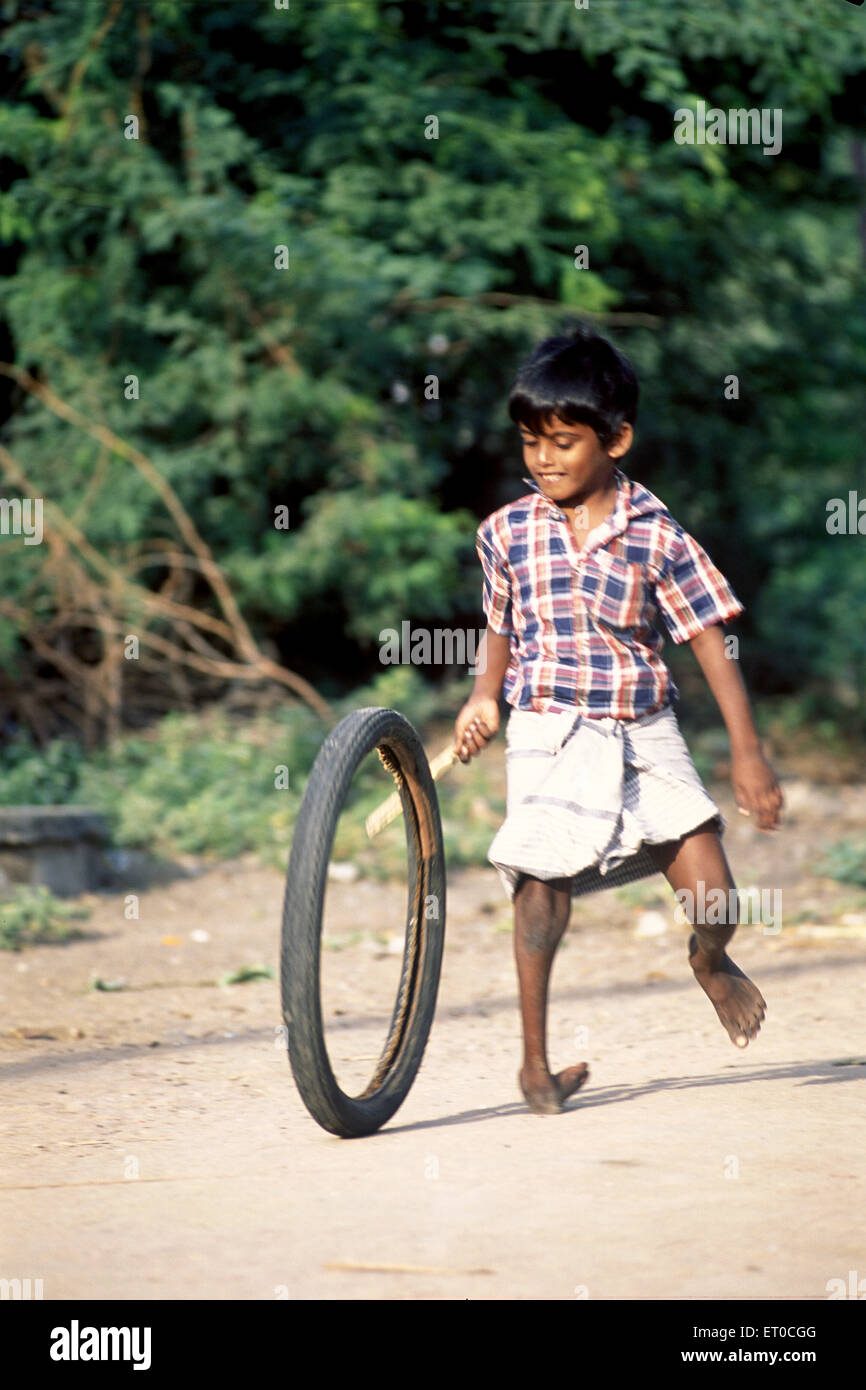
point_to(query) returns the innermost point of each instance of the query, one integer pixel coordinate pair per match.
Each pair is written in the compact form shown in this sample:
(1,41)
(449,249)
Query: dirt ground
(154,1144)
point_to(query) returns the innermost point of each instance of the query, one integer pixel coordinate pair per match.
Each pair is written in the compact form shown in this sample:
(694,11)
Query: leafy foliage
(846,862)
(34,917)
(217,787)
(412,258)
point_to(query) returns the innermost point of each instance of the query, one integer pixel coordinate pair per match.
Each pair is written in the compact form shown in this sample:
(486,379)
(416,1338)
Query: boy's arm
(478,720)
(754,781)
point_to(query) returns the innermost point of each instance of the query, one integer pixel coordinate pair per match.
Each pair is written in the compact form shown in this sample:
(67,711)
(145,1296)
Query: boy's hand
(476,725)
(756,789)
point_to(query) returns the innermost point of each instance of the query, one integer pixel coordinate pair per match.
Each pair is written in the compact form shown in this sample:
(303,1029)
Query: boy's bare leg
(541,912)
(699,856)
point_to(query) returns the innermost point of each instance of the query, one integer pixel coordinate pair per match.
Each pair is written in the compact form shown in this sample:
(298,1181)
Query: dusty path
(154,1145)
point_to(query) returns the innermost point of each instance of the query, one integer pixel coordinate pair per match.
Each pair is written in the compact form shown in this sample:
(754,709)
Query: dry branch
(90,592)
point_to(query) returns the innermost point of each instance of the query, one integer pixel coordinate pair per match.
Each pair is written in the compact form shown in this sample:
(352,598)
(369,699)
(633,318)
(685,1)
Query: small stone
(651,924)
(340,872)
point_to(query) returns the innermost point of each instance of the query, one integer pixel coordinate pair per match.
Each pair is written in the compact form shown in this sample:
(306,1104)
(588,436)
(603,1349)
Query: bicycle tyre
(306,883)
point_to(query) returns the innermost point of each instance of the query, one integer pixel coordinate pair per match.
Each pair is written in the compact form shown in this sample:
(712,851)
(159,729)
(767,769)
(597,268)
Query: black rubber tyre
(306,881)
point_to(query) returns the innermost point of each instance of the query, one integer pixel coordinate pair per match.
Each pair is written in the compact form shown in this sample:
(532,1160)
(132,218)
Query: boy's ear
(621,443)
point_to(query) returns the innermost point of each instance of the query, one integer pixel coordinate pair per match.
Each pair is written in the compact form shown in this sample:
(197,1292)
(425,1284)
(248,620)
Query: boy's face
(569,461)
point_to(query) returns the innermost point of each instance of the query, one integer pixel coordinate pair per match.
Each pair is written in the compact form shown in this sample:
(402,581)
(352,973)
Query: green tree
(411,258)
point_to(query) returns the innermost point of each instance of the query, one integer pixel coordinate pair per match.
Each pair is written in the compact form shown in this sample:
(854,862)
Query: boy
(601,786)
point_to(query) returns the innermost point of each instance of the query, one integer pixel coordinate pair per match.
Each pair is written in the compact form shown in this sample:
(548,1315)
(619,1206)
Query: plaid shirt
(581,622)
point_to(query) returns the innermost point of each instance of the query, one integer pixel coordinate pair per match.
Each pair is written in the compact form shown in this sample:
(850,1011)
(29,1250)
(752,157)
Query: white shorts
(586,796)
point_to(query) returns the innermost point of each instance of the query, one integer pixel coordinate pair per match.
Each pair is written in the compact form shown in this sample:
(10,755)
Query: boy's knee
(708,908)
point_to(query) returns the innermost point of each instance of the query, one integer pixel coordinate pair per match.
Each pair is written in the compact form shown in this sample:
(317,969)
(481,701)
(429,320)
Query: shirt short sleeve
(692,594)
(496,595)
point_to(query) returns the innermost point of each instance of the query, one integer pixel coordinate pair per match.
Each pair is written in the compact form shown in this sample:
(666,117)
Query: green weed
(34,917)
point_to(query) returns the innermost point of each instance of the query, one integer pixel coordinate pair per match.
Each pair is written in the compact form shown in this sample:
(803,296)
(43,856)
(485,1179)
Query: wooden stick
(390,809)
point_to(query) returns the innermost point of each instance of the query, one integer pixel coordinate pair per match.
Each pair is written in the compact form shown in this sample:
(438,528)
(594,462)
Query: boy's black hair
(580,377)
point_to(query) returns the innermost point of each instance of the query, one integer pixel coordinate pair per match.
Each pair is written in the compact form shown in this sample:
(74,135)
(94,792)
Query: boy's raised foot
(739,1004)
(544,1093)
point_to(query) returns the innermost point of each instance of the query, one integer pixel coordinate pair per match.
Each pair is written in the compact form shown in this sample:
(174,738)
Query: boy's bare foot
(544,1093)
(737,1001)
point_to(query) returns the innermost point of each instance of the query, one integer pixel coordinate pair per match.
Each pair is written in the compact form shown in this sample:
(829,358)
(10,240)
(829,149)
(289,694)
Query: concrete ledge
(60,847)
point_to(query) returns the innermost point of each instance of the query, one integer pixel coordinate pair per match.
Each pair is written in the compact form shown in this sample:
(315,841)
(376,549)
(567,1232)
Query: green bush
(33,916)
(846,862)
(34,776)
(206,784)
(417,260)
